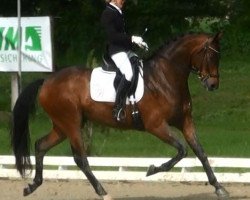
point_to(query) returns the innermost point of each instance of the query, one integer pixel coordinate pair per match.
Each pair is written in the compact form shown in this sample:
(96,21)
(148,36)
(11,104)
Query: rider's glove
(139,41)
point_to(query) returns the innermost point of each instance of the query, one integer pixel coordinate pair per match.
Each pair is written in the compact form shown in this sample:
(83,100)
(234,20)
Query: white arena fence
(134,169)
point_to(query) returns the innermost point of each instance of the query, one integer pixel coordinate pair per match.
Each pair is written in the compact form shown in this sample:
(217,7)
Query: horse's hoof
(107,197)
(151,170)
(27,191)
(222,193)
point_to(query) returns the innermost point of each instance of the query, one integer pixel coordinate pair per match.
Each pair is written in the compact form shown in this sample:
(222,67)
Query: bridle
(203,77)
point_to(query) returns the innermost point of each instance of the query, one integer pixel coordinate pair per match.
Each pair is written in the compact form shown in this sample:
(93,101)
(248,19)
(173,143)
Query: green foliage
(77,30)
(240,15)
(236,43)
(5,92)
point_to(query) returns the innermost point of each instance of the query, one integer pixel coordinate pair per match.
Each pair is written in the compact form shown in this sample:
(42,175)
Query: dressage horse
(65,97)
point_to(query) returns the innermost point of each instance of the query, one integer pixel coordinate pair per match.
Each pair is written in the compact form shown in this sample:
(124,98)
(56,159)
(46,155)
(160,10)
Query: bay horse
(65,96)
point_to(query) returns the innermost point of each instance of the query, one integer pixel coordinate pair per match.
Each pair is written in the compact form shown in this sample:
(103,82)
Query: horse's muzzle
(211,83)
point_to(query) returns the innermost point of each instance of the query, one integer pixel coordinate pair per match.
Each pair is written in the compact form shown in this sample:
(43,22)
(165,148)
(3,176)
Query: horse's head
(205,61)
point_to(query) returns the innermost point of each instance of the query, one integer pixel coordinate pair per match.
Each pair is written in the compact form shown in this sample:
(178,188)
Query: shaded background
(77,33)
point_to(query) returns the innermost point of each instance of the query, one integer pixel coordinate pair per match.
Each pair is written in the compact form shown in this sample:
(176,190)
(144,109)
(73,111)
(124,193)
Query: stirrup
(120,114)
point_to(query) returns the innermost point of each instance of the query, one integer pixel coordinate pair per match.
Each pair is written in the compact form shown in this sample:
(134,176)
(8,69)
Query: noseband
(204,77)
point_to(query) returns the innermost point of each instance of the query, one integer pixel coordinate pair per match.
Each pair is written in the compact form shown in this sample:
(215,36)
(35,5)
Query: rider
(119,44)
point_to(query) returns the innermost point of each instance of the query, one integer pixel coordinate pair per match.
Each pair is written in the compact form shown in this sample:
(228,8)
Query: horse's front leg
(190,136)
(81,161)
(162,132)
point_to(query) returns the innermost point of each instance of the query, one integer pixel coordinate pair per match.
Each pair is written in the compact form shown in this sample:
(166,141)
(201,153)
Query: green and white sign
(36,48)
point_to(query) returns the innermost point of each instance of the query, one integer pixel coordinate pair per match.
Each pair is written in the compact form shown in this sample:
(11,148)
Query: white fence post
(15,87)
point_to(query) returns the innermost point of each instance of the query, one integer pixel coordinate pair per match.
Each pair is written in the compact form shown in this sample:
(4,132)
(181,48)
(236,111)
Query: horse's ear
(218,36)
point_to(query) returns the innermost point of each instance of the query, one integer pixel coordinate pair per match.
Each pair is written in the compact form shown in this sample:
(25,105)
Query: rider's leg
(122,62)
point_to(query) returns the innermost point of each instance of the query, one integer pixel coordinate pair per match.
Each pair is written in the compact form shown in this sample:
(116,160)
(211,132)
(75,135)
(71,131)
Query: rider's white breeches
(122,62)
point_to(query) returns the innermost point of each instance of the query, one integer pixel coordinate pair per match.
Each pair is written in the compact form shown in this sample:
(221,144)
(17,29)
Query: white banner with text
(36,44)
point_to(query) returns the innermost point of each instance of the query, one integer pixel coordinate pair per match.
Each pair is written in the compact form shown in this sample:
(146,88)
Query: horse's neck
(178,64)
(170,69)
(165,76)
(180,55)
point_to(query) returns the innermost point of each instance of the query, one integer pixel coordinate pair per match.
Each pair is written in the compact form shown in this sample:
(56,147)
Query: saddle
(105,80)
(108,64)
(136,64)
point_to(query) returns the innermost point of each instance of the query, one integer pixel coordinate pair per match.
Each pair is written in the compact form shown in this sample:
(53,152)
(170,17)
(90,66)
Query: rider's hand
(139,41)
(144,45)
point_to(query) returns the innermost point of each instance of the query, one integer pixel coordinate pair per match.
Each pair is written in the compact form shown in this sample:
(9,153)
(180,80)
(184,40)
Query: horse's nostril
(214,86)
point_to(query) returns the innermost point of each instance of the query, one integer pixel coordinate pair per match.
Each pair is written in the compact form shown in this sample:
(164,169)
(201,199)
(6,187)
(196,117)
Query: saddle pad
(102,89)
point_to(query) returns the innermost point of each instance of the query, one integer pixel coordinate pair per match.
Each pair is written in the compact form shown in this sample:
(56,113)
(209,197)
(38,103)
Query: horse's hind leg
(164,134)
(80,158)
(190,136)
(41,147)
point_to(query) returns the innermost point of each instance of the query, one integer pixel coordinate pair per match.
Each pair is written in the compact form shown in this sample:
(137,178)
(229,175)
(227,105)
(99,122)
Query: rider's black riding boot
(121,96)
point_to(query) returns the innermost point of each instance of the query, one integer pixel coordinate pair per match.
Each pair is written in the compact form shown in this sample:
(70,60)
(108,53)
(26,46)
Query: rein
(213,49)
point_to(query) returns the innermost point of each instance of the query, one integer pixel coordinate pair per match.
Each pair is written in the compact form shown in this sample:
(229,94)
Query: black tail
(20,137)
